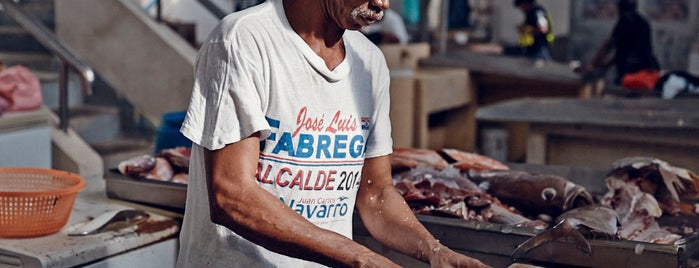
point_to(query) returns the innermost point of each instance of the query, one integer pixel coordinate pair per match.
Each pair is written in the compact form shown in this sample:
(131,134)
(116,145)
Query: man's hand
(444,257)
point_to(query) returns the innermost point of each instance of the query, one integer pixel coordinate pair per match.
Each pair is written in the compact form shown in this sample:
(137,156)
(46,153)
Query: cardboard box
(402,111)
(433,108)
(405,57)
(444,94)
(444,109)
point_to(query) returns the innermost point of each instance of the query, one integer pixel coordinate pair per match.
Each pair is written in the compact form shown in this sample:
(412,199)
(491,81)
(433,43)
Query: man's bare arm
(389,219)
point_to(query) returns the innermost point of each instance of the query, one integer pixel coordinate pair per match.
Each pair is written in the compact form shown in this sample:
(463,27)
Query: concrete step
(13,37)
(95,124)
(38,61)
(42,10)
(115,151)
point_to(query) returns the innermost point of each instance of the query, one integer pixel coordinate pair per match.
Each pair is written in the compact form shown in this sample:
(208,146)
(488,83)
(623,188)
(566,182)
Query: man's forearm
(390,221)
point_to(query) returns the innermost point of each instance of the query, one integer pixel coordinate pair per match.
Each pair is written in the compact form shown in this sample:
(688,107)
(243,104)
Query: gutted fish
(667,183)
(573,226)
(446,193)
(178,157)
(533,194)
(162,171)
(136,166)
(638,212)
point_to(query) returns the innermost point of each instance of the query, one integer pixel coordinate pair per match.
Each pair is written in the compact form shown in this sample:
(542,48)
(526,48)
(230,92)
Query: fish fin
(563,231)
(580,242)
(532,243)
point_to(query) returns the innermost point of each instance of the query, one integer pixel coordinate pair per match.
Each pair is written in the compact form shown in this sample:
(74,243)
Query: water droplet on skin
(381,200)
(380,211)
(371,198)
(435,250)
(368,181)
(406,219)
(639,249)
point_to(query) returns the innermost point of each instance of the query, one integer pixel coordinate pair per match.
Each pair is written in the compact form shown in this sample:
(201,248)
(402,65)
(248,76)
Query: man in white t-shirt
(290,130)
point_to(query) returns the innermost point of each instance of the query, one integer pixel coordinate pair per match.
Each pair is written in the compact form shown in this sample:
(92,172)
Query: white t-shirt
(255,74)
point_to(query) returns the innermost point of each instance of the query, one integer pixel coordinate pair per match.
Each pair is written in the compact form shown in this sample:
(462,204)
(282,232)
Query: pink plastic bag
(20,90)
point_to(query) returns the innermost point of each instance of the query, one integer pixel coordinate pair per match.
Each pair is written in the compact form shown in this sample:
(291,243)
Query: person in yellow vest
(535,33)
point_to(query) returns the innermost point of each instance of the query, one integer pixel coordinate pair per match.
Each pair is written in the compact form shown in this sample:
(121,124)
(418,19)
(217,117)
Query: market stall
(595,132)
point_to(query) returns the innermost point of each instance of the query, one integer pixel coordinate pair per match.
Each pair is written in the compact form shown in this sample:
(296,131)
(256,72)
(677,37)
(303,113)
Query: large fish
(533,194)
(573,226)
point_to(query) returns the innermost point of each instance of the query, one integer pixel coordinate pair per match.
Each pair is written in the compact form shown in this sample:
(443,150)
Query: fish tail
(561,232)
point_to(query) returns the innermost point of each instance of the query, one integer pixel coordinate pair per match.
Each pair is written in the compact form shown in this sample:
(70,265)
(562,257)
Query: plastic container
(169,135)
(36,202)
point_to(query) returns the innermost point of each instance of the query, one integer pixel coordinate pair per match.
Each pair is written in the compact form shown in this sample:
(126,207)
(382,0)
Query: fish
(136,165)
(638,212)
(470,161)
(667,183)
(409,158)
(178,157)
(573,226)
(533,194)
(448,193)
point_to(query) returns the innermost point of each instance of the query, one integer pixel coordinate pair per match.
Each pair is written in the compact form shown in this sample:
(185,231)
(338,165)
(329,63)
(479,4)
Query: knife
(109,221)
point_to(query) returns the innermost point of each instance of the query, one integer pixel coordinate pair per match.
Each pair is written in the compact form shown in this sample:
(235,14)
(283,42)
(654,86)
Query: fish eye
(548,194)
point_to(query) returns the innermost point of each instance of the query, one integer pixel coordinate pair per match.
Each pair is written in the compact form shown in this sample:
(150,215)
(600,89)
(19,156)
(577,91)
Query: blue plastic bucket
(169,135)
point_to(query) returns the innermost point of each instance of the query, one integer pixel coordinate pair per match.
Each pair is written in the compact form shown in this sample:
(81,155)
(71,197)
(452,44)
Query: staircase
(104,120)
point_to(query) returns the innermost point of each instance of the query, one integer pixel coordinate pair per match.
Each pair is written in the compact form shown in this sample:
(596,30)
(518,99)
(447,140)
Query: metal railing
(213,8)
(68,60)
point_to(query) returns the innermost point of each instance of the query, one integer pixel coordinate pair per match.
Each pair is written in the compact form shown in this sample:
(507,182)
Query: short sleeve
(379,142)
(227,96)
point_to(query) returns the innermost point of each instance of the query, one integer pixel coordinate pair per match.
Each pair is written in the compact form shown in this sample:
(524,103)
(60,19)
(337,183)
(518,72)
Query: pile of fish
(465,185)
(171,165)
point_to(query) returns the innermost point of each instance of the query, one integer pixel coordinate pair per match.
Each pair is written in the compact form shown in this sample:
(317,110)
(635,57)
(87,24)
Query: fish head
(575,196)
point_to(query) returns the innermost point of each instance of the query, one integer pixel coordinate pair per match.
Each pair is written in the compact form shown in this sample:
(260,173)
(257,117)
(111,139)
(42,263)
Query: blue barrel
(169,135)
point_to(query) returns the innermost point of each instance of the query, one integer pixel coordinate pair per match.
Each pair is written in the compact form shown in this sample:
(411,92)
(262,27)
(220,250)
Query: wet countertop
(61,250)
(638,113)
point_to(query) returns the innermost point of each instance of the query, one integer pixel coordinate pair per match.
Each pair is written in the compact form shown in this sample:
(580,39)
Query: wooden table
(501,78)
(595,132)
(497,78)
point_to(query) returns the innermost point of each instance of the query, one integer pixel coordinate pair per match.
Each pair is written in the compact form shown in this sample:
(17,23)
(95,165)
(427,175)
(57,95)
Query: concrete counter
(153,243)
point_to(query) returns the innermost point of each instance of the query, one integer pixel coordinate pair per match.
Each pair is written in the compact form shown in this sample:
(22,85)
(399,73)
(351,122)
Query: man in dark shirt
(630,46)
(535,34)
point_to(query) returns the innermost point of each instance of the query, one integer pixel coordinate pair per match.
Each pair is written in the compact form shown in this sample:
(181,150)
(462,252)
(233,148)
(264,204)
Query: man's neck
(311,21)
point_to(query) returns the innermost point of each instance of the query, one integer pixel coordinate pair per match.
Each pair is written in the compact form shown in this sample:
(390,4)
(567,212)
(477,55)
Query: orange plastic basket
(36,202)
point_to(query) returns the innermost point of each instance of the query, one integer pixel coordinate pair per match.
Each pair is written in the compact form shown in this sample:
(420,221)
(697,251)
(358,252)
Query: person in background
(390,29)
(535,33)
(290,129)
(629,47)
